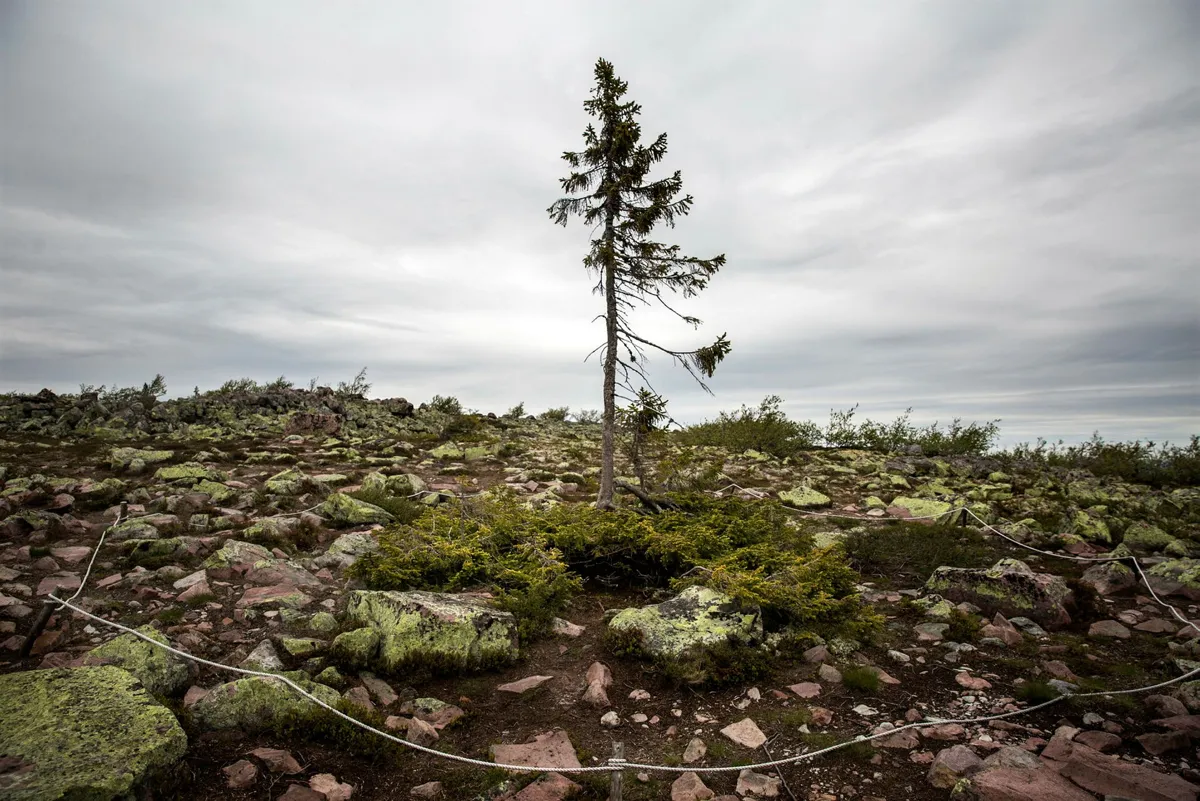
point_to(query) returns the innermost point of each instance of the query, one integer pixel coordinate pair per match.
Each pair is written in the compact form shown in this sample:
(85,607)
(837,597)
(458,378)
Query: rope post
(615,786)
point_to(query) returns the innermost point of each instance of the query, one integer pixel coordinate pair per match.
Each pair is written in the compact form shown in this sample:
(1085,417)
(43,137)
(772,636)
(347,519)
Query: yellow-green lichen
(85,734)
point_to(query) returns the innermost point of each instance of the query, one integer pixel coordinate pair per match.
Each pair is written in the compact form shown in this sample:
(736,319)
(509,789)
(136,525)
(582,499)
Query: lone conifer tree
(611,175)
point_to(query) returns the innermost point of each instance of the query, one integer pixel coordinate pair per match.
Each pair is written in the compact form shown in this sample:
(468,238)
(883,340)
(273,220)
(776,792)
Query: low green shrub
(916,549)
(404,509)
(535,560)
(861,678)
(766,429)
(1158,465)
(1035,692)
(963,627)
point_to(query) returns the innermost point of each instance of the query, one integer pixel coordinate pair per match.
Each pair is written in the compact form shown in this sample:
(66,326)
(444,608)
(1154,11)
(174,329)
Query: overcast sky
(978,209)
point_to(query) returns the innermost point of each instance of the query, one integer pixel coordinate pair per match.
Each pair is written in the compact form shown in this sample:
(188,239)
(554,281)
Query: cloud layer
(986,210)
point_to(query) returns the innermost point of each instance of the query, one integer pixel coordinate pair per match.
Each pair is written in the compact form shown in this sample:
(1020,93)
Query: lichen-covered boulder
(135,529)
(187,473)
(107,490)
(922,507)
(236,552)
(1009,587)
(805,498)
(88,733)
(684,626)
(255,702)
(346,550)
(152,551)
(1146,537)
(133,460)
(1109,577)
(218,492)
(441,631)
(270,529)
(289,482)
(342,510)
(1176,577)
(1090,527)
(160,672)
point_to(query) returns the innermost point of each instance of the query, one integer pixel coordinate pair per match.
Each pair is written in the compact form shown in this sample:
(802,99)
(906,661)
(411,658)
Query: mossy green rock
(301,647)
(236,552)
(1090,527)
(144,551)
(269,530)
(1009,587)
(696,618)
(1142,536)
(135,529)
(1176,577)
(323,623)
(439,630)
(85,734)
(160,672)
(108,489)
(342,510)
(187,473)
(331,677)
(135,460)
(805,498)
(215,490)
(255,702)
(289,482)
(922,507)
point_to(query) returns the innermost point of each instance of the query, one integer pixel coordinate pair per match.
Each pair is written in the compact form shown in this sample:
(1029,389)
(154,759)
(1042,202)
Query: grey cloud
(976,209)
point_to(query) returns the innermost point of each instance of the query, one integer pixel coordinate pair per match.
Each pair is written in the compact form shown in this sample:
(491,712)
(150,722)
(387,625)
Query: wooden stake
(614,791)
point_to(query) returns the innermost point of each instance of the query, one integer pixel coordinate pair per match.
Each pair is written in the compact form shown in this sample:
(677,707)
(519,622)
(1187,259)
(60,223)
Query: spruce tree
(608,187)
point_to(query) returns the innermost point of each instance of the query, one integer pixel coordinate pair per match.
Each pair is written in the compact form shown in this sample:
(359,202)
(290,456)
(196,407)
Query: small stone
(970,682)
(830,674)
(1108,628)
(427,790)
(688,787)
(277,760)
(1102,741)
(327,785)
(952,764)
(565,628)
(818,653)
(806,689)
(550,787)
(610,720)
(240,774)
(642,695)
(421,733)
(298,792)
(695,751)
(757,784)
(745,733)
(524,685)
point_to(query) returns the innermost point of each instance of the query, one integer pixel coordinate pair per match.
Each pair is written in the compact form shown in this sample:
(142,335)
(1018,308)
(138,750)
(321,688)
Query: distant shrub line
(767,429)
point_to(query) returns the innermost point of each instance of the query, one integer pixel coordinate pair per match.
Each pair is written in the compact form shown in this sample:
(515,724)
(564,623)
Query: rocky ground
(229,532)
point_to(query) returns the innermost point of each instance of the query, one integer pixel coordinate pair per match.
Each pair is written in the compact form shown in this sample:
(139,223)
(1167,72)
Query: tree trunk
(607,473)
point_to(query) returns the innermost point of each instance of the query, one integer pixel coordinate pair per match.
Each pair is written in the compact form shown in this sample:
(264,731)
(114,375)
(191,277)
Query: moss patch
(88,734)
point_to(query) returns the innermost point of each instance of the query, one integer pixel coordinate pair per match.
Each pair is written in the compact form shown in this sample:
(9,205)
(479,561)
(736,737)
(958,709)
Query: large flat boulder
(680,629)
(81,733)
(160,671)
(256,702)
(442,631)
(341,510)
(1009,587)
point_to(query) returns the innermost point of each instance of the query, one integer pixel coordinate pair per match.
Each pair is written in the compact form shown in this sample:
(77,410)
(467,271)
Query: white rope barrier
(622,764)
